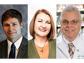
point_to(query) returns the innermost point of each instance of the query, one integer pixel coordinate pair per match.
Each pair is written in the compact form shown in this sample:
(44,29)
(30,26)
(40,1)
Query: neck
(40,40)
(13,40)
(70,39)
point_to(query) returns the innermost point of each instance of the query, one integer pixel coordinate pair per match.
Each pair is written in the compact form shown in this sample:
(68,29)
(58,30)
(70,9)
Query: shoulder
(24,39)
(52,42)
(30,42)
(59,39)
(81,36)
(30,46)
(3,43)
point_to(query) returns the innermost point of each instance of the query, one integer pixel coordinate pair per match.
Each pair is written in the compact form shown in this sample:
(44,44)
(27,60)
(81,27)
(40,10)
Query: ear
(21,24)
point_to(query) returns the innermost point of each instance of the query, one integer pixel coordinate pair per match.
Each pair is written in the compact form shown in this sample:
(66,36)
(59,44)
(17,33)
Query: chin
(43,35)
(70,36)
(11,37)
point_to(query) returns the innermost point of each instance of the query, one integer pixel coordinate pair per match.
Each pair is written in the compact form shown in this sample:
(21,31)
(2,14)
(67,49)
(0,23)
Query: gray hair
(71,8)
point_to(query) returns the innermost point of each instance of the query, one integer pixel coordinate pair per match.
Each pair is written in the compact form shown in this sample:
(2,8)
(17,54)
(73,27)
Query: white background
(41,2)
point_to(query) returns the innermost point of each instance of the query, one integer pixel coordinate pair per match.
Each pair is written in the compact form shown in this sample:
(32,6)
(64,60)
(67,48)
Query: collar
(74,41)
(17,43)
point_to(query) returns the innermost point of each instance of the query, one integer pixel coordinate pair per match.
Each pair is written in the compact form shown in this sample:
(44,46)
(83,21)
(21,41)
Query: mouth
(42,30)
(11,33)
(70,30)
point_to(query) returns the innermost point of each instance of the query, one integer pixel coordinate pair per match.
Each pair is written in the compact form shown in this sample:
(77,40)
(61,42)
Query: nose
(44,25)
(10,28)
(69,24)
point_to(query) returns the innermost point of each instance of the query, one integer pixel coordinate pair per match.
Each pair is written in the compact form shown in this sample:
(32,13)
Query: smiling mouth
(69,30)
(11,33)
(42,30)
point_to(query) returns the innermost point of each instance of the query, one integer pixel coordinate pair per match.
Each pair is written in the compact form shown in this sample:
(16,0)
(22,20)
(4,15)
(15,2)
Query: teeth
(69,30)
(42,30)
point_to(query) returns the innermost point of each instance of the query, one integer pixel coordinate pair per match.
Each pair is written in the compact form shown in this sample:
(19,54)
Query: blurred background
(59,8)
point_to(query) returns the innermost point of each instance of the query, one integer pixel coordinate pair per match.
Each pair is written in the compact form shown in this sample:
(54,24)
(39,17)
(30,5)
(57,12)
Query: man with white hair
(70,43)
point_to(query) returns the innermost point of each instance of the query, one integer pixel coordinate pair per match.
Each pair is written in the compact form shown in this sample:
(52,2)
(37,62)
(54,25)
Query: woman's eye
(48,22)
(39,21)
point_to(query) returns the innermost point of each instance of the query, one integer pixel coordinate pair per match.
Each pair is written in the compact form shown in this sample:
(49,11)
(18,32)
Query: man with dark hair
(15,46)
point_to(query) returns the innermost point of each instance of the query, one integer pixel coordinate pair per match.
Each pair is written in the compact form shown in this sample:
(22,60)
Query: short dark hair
(11,13)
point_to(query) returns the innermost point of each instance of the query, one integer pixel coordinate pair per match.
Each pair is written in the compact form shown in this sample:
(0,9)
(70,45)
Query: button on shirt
(17,45)
(74,43)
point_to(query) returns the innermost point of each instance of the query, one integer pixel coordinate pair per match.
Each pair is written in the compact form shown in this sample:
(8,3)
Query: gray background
(23,9)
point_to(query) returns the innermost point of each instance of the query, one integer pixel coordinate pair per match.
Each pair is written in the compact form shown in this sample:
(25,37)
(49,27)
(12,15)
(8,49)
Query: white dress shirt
(17,45)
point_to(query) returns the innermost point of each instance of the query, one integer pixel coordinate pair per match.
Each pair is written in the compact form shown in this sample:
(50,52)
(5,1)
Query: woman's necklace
(41,47)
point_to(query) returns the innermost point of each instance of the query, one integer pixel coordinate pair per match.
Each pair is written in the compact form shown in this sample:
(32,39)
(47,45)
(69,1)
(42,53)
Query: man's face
(70,24)
(12,28)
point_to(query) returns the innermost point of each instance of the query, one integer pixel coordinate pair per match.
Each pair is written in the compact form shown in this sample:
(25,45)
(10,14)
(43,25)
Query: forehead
(70,15)
(42,16)
(11,20)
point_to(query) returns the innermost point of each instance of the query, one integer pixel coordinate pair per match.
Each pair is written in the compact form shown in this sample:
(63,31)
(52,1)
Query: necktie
(70,50)
(12,52)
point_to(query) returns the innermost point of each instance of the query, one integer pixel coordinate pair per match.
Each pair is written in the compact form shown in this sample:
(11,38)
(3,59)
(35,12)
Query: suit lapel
(23,48)
(64,49)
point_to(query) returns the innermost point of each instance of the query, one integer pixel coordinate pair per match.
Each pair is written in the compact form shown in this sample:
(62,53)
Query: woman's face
(42,25)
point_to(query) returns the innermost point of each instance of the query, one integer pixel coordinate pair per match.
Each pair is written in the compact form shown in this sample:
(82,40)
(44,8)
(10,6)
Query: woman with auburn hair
(42,30)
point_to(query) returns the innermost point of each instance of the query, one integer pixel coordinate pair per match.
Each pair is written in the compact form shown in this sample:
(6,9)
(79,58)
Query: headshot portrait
(13,34)
(70,40)
(42,42)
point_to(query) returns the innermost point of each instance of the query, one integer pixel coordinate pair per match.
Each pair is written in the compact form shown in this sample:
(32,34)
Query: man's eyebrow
(74,20)
(64,20)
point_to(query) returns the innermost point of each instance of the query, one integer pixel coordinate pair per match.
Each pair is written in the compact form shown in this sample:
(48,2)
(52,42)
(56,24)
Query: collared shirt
(17,45)
(74,42)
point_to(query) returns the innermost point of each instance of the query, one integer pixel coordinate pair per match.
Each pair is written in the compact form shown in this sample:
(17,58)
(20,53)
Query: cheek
(63,27)
(49,27)
(36,26)
(18,29)
(78,27)
(5,29)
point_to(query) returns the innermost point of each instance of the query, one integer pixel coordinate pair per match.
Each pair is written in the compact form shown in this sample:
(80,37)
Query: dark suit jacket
(22,53)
